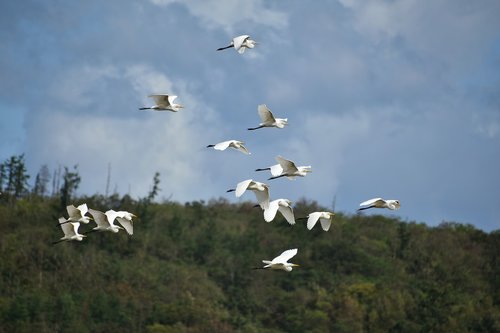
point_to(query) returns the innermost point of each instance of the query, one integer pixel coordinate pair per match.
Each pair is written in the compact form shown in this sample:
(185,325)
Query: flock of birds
(104,222)
(284,168)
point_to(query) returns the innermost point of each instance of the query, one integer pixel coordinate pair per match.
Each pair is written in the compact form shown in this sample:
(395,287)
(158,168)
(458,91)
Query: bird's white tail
(267,262)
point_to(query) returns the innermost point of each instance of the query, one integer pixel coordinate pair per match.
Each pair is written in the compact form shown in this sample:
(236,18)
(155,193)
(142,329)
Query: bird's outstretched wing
(238,42)
(73,212)
(242,148)
(126,224)
(266,116)
(112,215)
(100,218)
(287,213)
(83,209)
(276,170)
(374,201)
(263,198)
(287,165)
(285,256)
(67,228)
(222,145)
(242,187)
(313,218)
(325,223)
(171,99)
(162,100)
(270,213)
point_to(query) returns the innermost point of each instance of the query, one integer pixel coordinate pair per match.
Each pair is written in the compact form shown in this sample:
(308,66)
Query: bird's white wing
(313,218)
(242,187)
(75,226)
(73,212)
(285,256)
(276,170)
(83,209)
(112,215)
(238,41)
(287,212)
(266,116)
(287,165)
(263,198)
(161,100)
(67,228)
(372,201)
(325,223)
(171,99)
(126,224)
(222,145)
(270,213)
(243,149)
(100,218)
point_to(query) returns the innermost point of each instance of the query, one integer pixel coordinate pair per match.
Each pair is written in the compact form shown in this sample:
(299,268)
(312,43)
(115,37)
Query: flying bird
(77,214)
(324,217)
(238,145)
(276,170)
(124,218)
(289,169)
(285,208)
(379,203)
(240,44)
(70,231)
(261,191)
(281,261)
(164,103)
(103,221)
(268,120)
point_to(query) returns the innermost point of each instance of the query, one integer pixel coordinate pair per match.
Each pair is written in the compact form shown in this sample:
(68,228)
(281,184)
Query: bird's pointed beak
(295,265)
(133,215)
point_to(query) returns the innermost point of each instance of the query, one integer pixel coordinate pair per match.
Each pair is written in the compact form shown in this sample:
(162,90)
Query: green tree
(71,181)
(41,181)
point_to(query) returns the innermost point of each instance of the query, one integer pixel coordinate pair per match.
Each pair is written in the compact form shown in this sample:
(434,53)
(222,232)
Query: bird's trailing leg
(254,128)
(225,47)
(263,169)
(284,175)
(363,208)
(231,190)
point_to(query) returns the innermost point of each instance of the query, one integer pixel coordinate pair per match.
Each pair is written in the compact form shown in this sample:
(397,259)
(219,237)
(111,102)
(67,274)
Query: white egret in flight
(77,214)
(268,120)
(261,191)
(238,145)
(124,218)
(164,103)
(103,221)
(324,217)
(70,231)
(380,203)
(285,208)
(290,170)
(281,261)
(240,44)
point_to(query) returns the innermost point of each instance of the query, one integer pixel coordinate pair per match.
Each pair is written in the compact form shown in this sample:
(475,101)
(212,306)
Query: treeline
(187,268)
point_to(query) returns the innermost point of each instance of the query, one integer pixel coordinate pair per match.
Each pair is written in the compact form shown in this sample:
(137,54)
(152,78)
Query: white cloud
(137,144)
(227,14)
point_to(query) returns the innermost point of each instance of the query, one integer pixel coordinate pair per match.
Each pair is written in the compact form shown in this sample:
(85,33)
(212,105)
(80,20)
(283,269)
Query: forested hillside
(188,268)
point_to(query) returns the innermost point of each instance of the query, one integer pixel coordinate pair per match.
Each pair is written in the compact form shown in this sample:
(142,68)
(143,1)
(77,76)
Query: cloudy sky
(392,98)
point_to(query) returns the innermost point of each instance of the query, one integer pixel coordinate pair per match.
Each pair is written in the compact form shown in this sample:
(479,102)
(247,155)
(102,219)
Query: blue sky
(397,99)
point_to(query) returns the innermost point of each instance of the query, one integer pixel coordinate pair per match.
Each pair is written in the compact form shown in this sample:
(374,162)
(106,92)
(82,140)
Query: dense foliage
(188,266)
